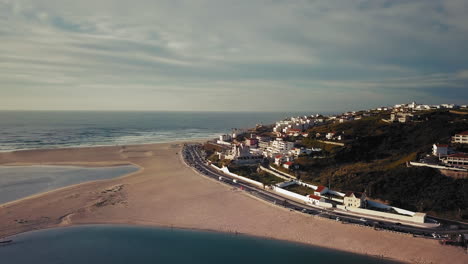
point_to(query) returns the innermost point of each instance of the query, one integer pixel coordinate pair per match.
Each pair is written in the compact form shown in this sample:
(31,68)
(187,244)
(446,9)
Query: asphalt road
(194,156)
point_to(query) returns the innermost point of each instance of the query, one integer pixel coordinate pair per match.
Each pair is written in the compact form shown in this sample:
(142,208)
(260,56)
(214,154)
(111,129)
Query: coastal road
(193,156)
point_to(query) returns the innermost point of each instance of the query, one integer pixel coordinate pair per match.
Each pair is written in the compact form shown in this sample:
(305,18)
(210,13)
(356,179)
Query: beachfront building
(458,160)
(315,199)
(355,199)
(224,140)
(460,138)
(439,150)
(241,154)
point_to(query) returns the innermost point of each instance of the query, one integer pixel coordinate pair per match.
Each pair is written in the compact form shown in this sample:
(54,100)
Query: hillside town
(270,155)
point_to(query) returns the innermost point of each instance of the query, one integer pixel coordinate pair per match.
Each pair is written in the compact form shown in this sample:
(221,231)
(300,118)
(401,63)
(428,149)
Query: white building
(314,199)
(279,159)
(225,137)
(401,117)
(439,150)
(460,138)
(288,165)
(281,146)
(458,160)
(355,199)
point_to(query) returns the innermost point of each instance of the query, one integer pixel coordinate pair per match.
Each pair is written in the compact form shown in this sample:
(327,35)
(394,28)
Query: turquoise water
(17,182)
(38,130)
(124,244)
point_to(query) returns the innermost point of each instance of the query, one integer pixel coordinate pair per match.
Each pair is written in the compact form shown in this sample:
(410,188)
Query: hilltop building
(401,117)
(460,138)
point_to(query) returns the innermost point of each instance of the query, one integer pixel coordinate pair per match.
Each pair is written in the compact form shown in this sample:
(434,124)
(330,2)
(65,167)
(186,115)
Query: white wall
(291,194)
(307,185)
(336,193)
(419,219)
(226,170)
(418,164)
(384,206)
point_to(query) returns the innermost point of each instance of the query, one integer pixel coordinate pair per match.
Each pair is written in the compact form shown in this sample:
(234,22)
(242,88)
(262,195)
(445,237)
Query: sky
(252,55)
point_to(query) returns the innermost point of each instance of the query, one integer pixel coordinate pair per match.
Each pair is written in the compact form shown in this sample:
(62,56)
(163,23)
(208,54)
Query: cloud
(156,52)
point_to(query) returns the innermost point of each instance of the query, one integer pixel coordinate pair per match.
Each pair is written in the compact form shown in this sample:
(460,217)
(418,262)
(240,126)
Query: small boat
(2,242)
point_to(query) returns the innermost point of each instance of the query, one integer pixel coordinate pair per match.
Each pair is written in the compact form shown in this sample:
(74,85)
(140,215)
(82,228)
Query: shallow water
(17,182)
(102,244)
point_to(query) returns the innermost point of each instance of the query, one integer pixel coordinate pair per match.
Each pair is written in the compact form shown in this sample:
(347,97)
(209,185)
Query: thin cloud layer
(231,55)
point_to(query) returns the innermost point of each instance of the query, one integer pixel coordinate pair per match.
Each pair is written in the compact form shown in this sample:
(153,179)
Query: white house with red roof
(288,165)
(279,159)
(320,190)
(294,132)
(315,199)
(440,150)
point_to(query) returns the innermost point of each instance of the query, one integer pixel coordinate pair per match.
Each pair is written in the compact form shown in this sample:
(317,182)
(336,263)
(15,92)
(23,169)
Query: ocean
(127,244)
(21,130)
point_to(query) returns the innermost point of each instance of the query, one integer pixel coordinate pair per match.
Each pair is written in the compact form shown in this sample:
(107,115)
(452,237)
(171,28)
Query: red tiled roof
(279,156)
(442,145)
(289,163)
(295,130)
(462,133)
(356,194)
(459,155)
(315,197)
(320,188)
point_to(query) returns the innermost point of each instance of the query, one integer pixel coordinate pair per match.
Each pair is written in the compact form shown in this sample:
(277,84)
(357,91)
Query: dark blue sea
(42,129)
(103,244)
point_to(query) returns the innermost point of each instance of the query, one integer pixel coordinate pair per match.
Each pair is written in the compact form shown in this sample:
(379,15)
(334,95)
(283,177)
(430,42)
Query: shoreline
(177,141)
(139,225)
(167,193)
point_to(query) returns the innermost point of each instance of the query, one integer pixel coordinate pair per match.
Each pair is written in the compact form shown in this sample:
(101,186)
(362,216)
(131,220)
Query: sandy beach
(165,192)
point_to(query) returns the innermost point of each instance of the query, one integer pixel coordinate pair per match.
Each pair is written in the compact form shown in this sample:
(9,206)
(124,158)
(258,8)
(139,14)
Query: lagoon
(102,244)
(17,182)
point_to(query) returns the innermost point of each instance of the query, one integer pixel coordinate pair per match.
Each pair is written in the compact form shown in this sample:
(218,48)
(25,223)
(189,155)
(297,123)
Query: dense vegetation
(374,159)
